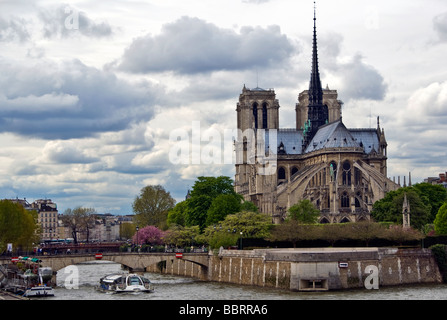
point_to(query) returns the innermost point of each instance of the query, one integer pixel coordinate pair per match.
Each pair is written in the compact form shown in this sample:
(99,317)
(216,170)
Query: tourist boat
(39,291)
(120,283)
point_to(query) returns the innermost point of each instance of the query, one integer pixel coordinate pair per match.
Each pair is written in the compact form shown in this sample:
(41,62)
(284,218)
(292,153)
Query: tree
(293,231)
(212,186)
(79,220)
(17,226)
(223,205)
(304,212)
(148,235)
(333,232)
(181,236)
(177,215)
(152,205)
(249,206)
(400,234)
(127,230)
(389,209)
(440,222)
(204,191)
(365,231)
(243,224)
(434,195)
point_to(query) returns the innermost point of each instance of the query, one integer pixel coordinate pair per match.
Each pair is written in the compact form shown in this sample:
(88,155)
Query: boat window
(134,281)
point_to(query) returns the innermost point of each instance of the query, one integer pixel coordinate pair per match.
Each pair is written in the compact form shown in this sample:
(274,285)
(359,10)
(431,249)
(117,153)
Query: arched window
(333,171)
(281,174)
(346,173)
(264,116)
(255,114)
(345,200)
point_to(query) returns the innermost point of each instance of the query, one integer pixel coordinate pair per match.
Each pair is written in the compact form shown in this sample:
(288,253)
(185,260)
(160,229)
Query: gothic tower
(257,109)
(318,113)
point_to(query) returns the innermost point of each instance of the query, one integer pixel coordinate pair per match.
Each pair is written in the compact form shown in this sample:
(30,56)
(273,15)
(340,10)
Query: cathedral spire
(317,113)
(315,90)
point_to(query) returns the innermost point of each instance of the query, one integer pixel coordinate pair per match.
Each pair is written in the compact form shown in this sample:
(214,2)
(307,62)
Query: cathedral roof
(332,135)
(290,140)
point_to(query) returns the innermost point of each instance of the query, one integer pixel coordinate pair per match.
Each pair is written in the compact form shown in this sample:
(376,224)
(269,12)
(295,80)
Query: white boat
(120,283)
(39,291)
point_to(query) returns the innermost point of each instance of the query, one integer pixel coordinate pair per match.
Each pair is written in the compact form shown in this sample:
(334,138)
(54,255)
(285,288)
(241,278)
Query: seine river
(178,288)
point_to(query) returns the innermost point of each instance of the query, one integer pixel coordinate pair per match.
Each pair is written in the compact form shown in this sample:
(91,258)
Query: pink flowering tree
(149,235)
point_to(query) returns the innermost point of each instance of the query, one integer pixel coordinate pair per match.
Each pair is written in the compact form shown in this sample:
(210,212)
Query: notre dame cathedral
(341,171)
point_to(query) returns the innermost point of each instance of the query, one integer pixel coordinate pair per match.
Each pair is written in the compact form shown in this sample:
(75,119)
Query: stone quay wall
(310,269)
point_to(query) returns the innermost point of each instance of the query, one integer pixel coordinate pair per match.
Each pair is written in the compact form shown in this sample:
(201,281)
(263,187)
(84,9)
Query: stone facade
(342,171)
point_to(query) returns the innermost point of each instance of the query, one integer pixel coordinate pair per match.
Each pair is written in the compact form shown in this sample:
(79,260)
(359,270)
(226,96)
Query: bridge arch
(134,261)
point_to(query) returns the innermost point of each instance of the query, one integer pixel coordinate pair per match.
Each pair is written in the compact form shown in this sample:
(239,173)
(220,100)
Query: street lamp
(241,241)
(137,228)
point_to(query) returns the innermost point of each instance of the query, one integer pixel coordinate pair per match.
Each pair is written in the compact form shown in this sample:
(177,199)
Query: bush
(440,254)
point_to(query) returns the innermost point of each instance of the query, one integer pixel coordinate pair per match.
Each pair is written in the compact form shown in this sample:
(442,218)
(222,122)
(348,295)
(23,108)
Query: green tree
(181,236)
(389,209)
(203,193)
(212,186)
(440,222)
(249,206)
(177,215)
(197,210)
(17,226)
(433,195)
(223,205)
(304,212)
(151,207)
(240,225)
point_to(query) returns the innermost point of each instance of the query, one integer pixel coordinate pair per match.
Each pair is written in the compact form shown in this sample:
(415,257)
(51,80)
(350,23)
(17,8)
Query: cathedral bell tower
(257,109)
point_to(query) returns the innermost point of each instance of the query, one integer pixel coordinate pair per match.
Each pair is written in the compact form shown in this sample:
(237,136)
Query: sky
(98,97)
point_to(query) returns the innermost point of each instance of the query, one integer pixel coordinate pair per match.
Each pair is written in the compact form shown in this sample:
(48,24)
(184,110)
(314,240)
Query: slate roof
(332,135)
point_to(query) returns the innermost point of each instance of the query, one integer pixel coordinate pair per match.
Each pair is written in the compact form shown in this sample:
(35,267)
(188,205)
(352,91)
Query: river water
(179,288)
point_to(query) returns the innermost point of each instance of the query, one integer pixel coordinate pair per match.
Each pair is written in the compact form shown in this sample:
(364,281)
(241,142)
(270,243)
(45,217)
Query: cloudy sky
(92,93)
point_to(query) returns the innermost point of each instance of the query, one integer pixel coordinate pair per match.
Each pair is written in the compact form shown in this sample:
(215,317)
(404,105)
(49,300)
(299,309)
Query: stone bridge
(137,262)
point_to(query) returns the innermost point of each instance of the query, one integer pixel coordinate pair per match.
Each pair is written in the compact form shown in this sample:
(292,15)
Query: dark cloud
(70,100)
(190,45)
